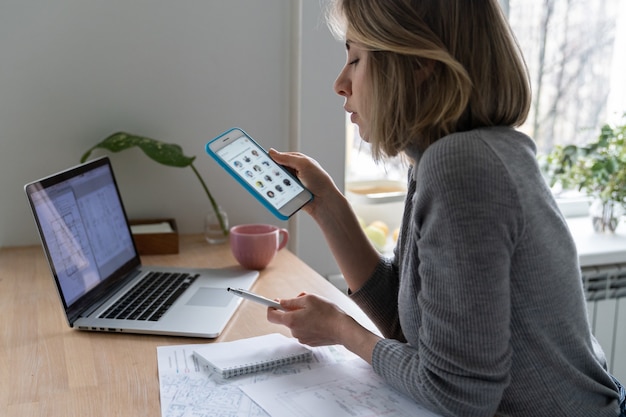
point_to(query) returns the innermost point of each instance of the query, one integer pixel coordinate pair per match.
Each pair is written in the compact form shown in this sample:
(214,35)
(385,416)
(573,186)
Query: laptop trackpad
(210,297)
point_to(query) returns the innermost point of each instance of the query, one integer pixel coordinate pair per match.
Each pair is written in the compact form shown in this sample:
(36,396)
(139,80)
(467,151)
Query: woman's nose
(342,84)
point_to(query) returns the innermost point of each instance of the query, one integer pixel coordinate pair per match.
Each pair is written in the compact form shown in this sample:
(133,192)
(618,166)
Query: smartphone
(272,185)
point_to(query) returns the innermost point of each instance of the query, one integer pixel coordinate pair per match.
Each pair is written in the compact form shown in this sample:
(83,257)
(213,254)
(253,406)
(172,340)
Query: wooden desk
(49,369)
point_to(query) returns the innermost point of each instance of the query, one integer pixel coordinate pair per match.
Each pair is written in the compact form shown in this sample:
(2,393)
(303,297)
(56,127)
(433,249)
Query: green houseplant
(164,153)
(598,169)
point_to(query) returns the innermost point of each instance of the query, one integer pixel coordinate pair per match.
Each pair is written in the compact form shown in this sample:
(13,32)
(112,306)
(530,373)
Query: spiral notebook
(245,356)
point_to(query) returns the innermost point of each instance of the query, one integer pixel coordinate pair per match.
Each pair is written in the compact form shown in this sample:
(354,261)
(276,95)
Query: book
(254,354)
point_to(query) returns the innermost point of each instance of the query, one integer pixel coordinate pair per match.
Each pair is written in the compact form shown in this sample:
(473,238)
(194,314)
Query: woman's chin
(364,134)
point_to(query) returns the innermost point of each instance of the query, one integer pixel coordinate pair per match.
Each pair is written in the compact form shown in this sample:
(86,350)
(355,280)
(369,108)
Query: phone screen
(255,167)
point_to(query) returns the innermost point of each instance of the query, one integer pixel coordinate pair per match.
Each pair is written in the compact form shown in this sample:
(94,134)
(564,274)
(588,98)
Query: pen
(255,297)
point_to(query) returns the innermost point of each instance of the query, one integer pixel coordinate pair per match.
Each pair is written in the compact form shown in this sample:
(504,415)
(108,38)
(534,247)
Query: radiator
(605,290)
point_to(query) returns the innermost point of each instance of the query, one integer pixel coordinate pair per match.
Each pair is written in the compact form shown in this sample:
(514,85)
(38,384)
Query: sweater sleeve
(454,291)
(379,299)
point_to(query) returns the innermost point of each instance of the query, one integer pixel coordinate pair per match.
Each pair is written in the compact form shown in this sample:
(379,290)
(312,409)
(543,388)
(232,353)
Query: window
(359,163)
(574,50)
(576,55)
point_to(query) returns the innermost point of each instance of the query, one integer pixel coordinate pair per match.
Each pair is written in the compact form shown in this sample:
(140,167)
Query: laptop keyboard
(151,298)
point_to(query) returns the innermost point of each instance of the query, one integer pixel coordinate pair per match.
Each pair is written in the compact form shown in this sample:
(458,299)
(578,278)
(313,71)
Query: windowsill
(575,205)
(596,248)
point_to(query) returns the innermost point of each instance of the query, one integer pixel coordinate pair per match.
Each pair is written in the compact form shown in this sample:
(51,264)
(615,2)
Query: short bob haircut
(477,78)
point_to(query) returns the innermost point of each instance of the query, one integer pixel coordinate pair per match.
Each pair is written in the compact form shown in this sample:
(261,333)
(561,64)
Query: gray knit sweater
(482,305)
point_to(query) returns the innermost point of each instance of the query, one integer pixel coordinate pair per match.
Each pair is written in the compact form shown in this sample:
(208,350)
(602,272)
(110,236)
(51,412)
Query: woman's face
(351,84)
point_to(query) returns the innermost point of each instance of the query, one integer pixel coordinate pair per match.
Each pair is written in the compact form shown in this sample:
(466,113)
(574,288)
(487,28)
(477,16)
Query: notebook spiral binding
(249,368)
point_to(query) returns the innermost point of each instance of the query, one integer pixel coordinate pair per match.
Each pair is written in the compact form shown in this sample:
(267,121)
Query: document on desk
(335,383)
(190,389)
(343,389)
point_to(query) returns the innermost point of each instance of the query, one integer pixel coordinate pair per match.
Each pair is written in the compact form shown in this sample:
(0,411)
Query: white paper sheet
(164,227)
(346,389)
(188,389)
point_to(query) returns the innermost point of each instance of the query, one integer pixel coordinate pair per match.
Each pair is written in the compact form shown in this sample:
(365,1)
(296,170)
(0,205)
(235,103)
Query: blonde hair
(476,73)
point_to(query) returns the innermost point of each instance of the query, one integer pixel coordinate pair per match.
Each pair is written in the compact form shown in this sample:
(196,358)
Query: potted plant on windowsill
(171,155)
(598,169)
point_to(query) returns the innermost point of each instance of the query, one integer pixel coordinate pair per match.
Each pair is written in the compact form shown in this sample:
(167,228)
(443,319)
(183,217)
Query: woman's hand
(312,319)
(311,174)
(316,321)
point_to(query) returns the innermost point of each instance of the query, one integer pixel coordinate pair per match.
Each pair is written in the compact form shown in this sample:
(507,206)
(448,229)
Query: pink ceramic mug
(255,245)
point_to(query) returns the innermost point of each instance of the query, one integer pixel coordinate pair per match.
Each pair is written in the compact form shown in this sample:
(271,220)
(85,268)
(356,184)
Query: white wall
(73,71)
(322,123)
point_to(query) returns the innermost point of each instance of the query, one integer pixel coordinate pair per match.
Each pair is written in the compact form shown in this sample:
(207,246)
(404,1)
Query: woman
(481,307)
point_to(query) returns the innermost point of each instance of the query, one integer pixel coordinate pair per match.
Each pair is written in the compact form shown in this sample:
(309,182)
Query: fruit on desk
(376,236)
(377,232)
(396,233)
(381,225)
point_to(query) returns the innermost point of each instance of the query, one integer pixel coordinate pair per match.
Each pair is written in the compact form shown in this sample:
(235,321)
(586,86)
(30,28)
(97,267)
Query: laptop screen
(83,227)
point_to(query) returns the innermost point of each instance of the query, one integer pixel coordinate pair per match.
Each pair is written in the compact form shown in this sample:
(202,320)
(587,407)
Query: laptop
(101,282)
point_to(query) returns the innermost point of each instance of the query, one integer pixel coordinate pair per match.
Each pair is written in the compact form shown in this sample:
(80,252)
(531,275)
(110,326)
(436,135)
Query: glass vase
(605,215)
(215,231)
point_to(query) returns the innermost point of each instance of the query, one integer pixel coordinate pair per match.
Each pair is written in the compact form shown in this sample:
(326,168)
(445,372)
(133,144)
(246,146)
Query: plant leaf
(164,153)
